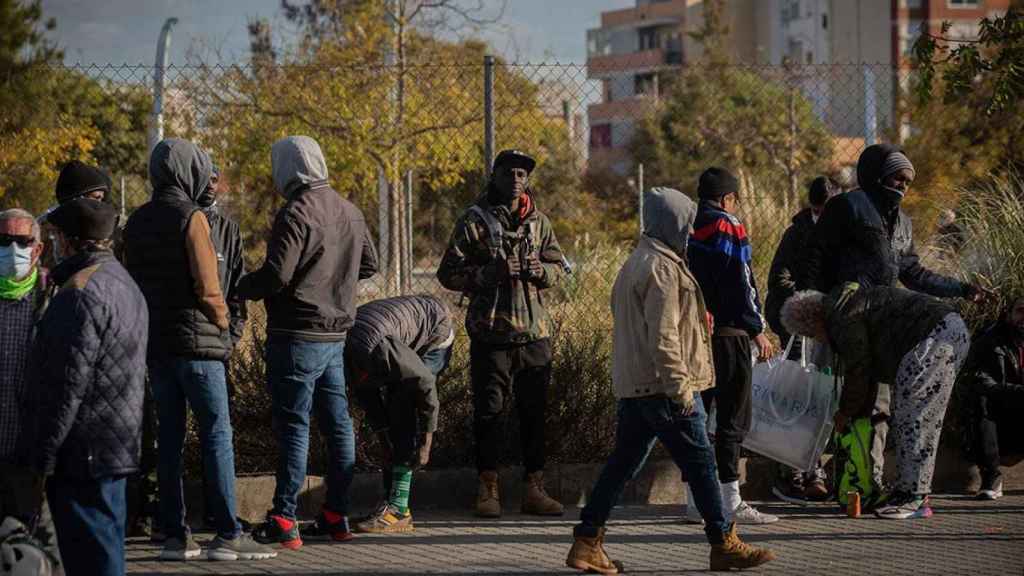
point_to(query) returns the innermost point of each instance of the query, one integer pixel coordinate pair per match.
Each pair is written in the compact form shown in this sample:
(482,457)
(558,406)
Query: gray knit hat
(894,163)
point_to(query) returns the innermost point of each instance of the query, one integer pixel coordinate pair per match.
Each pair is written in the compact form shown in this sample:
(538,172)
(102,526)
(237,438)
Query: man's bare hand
(424,451)
(534,268)
(765,348)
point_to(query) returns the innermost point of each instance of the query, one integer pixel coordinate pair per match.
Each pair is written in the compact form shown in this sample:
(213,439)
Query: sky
(126,31)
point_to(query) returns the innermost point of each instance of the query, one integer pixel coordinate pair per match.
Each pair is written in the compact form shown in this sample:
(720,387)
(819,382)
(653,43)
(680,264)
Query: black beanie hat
(78,179)
(715,183)
(85,219)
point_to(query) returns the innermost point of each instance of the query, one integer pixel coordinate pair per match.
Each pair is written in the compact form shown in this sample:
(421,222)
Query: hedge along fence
(581,411)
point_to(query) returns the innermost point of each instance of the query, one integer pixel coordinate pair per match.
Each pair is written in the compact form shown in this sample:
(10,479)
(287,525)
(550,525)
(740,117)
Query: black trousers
(998,431)
(731,396)
(141,491)
(498,372)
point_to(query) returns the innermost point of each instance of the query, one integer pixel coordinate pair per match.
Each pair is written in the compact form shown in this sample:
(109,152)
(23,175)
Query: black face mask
(207,199)
(893,195)
(1018,332)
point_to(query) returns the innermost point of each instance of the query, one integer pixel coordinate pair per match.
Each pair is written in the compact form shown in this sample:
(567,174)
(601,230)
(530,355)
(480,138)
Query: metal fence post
(407,268)
(870,107)
(640,195)
(488,114)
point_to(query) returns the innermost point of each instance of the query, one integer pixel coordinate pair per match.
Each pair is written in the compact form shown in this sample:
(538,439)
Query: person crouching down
(883,334)
(394,353)
(661,361)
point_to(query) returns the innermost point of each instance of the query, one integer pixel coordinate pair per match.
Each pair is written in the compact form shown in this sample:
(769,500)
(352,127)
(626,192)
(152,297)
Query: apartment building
(848,57)
(629,54)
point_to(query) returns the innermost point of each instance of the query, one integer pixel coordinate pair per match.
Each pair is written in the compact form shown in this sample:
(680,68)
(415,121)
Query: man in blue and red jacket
(719,255)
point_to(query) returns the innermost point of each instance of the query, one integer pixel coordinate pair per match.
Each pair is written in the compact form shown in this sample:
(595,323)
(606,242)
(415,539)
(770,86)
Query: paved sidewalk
(964,537)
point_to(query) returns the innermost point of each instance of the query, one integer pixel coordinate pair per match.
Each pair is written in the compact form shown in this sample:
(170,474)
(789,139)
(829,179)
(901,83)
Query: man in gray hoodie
(661,362)
(318,251)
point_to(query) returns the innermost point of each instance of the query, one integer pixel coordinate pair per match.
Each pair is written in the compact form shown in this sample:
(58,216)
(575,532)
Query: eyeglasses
(23,241)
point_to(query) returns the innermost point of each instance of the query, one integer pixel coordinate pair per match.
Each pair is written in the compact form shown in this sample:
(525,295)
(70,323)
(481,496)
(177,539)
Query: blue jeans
(641,421)
(89,516)
(437,360)
(302,376)
(177,383)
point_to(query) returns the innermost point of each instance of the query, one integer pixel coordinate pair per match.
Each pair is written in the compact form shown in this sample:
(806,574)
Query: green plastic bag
(854,464)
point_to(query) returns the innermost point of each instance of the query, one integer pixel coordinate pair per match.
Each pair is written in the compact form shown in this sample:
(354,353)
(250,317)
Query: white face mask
(15,261)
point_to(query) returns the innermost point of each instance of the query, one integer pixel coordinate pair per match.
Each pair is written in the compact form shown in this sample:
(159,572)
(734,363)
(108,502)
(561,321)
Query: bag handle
(810,391)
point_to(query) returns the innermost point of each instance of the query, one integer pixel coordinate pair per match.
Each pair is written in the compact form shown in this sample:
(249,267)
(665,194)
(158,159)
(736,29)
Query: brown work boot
(588,554)
(487,503)
(734,553)
(536,500)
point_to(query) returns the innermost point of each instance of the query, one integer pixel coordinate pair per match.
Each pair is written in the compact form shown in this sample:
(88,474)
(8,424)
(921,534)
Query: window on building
(909,32)
(601,136)
(647,38)
(910,4)
(646,84)
(963,3)
(790,11)
(964,30)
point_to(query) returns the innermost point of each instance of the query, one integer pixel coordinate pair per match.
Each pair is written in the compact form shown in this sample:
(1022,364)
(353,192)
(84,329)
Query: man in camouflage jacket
(502,255)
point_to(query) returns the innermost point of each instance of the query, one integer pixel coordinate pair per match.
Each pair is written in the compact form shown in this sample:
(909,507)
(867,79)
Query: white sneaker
(747,514)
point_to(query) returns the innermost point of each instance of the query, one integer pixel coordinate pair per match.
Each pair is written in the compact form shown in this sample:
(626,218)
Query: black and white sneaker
(991,488)
(905,507)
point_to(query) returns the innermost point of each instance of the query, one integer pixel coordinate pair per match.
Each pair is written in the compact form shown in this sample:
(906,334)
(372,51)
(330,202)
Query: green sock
(401,481)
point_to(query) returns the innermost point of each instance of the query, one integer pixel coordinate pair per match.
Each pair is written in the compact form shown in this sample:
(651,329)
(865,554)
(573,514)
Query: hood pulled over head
(179,168)
(668,217)
(296,161)
(871,164)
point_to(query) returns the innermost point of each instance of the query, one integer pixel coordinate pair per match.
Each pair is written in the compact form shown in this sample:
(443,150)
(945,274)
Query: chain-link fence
(410,144)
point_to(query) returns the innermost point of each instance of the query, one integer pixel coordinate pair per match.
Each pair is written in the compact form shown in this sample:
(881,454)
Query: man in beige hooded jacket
(661,360)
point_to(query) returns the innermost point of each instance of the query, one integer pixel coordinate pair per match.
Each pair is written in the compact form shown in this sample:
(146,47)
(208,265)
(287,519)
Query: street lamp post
(156,130)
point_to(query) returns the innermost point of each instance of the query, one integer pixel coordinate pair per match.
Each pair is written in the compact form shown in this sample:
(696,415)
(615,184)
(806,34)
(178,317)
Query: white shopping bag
(792,407)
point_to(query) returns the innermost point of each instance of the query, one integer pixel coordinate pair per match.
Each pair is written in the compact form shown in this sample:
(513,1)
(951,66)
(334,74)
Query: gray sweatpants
(924,382)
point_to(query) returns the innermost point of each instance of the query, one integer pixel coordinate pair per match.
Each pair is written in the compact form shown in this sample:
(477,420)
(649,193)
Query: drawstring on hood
(668,217)
(296,161)
(179,168)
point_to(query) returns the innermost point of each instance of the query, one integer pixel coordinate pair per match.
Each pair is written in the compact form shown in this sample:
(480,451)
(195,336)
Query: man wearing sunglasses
(23,299)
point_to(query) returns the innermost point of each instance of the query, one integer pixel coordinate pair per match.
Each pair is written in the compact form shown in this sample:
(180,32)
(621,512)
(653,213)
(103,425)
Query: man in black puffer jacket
(169,251)
(863,236)
(90,366)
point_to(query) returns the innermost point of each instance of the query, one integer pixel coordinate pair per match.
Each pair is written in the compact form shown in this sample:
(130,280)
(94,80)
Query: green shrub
(992,217)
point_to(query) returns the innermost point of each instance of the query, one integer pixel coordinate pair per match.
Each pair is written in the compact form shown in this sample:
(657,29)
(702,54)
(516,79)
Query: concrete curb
(455,489)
